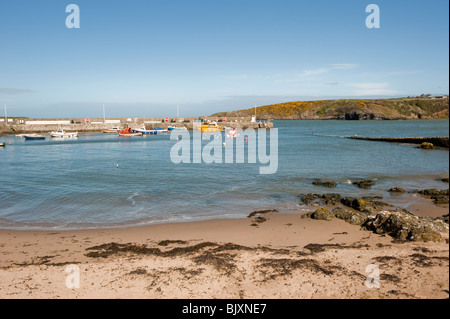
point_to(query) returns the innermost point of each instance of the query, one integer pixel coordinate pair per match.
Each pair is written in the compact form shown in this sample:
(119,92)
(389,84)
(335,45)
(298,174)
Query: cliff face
(386,109)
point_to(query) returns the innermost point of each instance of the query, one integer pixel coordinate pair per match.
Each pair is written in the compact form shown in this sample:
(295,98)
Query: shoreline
(283,256)
(419,205)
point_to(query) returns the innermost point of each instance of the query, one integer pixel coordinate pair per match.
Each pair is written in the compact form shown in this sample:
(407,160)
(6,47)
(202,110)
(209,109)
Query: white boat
(149,130)
(112,130)
(63,134)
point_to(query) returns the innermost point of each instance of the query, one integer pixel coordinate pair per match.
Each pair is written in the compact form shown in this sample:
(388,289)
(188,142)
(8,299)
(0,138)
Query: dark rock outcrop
(396,190)
(427,146)
(329,184)
(366,183)
(354,218)
(365,205)
(407,227)
(401,225)
(322,214)
(320,199)
(438,196)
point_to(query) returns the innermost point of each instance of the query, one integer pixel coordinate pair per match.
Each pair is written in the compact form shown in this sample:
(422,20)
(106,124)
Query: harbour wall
(100,124)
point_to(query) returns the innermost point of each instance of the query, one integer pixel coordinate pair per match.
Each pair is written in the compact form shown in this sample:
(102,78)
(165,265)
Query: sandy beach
(282,257)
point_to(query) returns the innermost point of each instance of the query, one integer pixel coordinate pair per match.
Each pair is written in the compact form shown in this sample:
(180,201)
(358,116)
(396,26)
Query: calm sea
(75,184)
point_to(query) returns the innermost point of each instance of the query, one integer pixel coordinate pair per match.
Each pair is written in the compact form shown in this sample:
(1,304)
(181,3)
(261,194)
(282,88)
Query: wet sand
(283,256)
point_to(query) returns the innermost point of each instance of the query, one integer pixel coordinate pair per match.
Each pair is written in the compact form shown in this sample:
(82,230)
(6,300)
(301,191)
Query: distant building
(431,97)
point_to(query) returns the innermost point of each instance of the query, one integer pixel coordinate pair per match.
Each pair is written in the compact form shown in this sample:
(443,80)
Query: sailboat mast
(6,116)
(104,116)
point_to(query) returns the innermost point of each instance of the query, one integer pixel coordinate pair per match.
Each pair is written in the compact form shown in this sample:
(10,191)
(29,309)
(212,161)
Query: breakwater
(436,141)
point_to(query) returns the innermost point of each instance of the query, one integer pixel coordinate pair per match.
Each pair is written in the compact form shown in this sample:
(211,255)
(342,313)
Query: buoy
(246,139)
(117,165)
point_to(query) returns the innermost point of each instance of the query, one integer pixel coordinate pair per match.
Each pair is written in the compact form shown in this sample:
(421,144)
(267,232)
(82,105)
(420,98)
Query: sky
(142,58)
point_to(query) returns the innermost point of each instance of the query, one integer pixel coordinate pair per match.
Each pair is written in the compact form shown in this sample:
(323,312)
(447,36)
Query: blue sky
(143,57)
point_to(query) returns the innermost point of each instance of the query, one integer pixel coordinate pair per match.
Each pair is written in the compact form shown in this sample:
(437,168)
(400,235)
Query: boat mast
(178,113)
(6,116)
(104,117)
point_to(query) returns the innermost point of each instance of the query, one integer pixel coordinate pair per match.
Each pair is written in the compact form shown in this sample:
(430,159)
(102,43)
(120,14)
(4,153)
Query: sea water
(102,180)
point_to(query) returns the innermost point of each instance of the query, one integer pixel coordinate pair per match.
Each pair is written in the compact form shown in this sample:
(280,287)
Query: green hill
(351,109)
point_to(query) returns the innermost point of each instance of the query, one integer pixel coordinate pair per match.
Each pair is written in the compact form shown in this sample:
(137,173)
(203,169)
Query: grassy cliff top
(351,109)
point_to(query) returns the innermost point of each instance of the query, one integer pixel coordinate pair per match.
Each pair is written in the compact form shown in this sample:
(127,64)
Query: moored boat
(210,127)
(2,144)
(129,132)
(32,137)
(112,130)
(63,134)
(148,130)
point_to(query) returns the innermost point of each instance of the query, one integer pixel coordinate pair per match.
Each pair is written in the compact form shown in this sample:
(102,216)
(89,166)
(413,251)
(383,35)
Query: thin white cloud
(400,73)
(308,73)
(344,66)
(365,89)
(234,77)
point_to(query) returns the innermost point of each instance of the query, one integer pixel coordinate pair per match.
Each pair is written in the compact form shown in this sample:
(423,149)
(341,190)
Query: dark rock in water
(438,196)
(372,197)
(445,180)
(364,184)
(329,184)
(365,205)
(310,199)
(396,190)
(440,199)
(331,199)
(433,192)
(320,199)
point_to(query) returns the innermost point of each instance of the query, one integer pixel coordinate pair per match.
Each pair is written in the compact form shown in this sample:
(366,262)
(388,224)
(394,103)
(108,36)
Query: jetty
(436,141)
